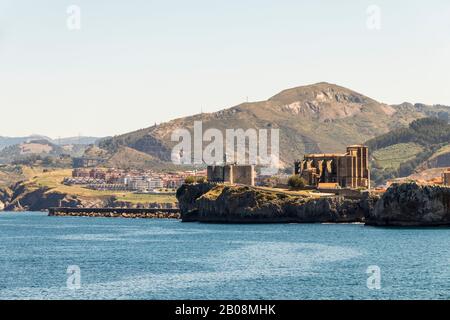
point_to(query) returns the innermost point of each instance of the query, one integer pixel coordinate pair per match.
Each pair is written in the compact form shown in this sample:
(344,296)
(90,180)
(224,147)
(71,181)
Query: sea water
(112,258)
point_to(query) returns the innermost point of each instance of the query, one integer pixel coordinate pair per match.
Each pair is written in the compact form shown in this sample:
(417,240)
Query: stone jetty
(116,213)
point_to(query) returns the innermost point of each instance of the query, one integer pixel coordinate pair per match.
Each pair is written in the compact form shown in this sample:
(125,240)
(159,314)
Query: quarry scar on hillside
(242,147)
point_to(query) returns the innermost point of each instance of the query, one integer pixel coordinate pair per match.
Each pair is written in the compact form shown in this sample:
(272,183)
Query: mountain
(76,140)
(30,151)
(402,152)
(316,118)
(10,141)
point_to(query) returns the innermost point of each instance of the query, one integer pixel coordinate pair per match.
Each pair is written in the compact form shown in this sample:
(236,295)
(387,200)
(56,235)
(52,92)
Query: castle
(349,170)
(232,174)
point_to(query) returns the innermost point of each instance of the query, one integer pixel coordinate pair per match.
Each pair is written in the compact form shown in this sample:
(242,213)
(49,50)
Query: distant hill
(10,141)
(30,151)
(425,144)
(317,118)
(127,158)
(76,140)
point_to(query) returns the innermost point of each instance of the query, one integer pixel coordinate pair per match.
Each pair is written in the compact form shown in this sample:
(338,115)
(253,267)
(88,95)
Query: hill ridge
(321,117)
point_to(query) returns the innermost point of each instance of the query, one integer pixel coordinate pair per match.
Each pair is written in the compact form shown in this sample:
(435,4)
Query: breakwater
(152,213)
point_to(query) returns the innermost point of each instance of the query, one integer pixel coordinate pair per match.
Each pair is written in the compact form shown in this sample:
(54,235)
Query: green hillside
(393,156)
(401,152)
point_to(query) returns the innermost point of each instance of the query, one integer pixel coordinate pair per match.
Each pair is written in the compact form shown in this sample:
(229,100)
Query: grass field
(392,156)
(305,193)
(53,180)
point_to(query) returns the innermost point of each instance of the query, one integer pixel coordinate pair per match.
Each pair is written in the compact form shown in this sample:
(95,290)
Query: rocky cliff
(407,204)
(5,196)
(23,198)
(238,204)
(411,204)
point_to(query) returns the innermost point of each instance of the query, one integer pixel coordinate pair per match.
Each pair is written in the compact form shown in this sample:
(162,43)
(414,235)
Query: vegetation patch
(393,156)
(401,152)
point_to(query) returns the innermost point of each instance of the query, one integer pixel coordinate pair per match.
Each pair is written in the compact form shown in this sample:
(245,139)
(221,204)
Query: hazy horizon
(130,66)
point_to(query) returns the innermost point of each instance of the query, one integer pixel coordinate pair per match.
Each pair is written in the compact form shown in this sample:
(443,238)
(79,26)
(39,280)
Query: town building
(131,180)
(80,173)
(85,162)
(155,183)
(348,170)
(138,183)
(173,182)
(446,177)
(232,174)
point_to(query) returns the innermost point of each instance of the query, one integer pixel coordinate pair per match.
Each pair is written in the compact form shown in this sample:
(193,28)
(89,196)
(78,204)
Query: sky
(135,63)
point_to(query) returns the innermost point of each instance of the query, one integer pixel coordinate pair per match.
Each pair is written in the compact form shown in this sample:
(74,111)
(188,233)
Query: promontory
(407,204)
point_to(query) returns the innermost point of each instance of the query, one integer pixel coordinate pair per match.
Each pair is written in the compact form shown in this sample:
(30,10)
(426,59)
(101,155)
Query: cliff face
(5,196)
(24,199)
(24,196)
(235,204)
(410,204)
(188,194)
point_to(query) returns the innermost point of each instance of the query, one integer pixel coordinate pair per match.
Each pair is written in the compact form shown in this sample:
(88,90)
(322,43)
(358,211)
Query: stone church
(348,170)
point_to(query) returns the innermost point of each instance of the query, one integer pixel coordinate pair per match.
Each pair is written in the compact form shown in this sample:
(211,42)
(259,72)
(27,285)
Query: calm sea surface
(167,259)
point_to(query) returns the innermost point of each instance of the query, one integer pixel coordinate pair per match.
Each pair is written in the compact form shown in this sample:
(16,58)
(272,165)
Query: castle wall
(244,174)
(232,174)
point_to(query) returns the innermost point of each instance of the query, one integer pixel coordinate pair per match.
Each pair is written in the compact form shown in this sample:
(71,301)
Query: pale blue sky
(137,62)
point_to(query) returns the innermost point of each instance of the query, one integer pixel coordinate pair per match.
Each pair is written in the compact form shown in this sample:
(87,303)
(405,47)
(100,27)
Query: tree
(296,182)
(189,180)
(201,179)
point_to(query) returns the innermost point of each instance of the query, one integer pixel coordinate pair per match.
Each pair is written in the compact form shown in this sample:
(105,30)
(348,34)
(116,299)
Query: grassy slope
(215,192)
(393,156)
(9,175)
(402,152)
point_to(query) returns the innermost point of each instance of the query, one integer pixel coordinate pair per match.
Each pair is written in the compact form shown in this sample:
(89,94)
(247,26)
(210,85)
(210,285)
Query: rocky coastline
(403,205)
(21,197)
(242,204)
(412,205)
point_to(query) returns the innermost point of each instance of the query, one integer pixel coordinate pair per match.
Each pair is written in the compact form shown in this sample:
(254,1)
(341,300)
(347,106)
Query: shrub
(189,180)
(296,182)
(201,179)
